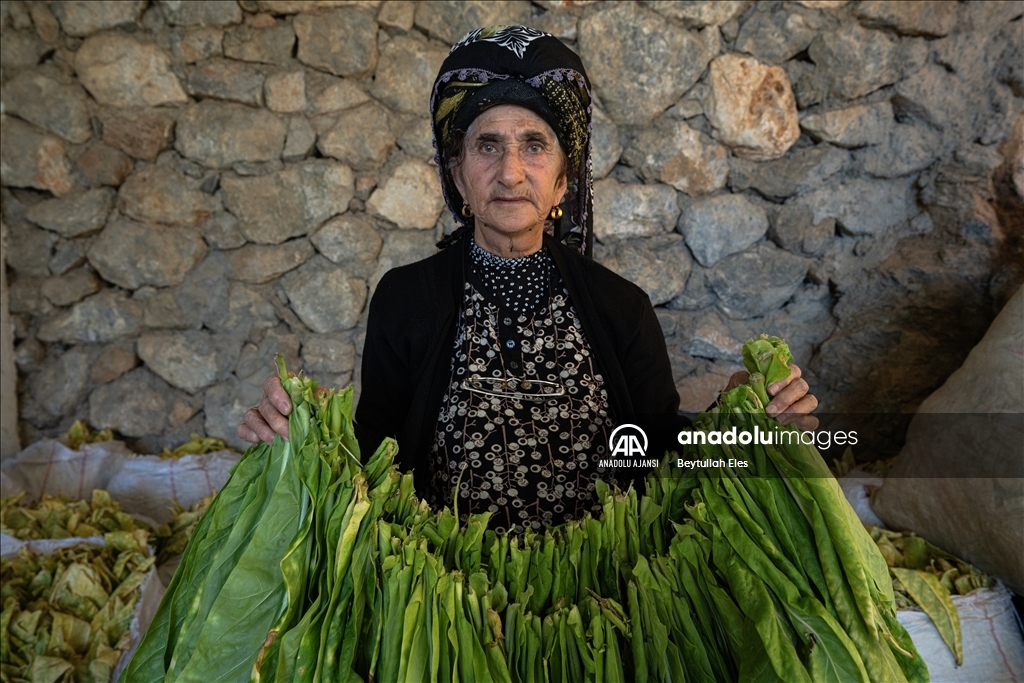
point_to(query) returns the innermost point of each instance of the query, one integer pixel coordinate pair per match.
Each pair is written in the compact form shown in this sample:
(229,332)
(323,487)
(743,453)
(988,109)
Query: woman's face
(511,172)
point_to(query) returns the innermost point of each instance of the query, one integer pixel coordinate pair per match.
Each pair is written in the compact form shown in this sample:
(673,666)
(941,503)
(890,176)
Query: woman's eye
(488,148)
(535,148)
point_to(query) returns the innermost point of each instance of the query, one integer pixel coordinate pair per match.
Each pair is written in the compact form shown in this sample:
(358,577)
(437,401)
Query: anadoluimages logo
(628,441)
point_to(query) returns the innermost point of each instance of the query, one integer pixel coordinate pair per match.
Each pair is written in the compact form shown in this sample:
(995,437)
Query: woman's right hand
(270,417)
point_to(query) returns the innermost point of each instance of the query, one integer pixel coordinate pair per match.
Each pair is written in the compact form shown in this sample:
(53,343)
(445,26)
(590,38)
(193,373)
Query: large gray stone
(196,44)
(932,18)
(70,287)
(62,383)
(342,41)
(131,254)
(777,33)
(40,98)
(756,281)
(140,133)
(160,194)
(251,309)
(622,210)
(101,164)
(937,98)
(861,206)
(324,296)
(224,407)
(27,249)
(348,237)
(402,247)
(359,138)
(257,263)
(190,360)
(101,318)
(801,170)
(410,198)
(699,14)
(751,106)
(451,20)
(81,18)
(221,231)
(414,137)
(289,203)
(605,146)
(328,354)
(286,93)
(718,226)
(119,70)
(74,214)
(697,294)
(69,254)
(137,404)
(709,334)
(221,134)
(658,265)
(674,153)
(301,139)
(405,73)
(225,79)
(20,49)
(907,150)
(326,94)
(31,158)
(640,64)
(853,61)
(256,361)
(856,126)
(206,13)
(270,45)
(793,228)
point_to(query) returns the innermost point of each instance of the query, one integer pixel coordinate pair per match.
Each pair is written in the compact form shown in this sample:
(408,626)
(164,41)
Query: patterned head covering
(518,65)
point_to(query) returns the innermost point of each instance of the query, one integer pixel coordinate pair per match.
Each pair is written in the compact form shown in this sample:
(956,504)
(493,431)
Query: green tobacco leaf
(935,600)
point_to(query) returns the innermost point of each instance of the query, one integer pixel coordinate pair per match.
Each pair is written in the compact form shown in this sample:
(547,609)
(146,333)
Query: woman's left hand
(790,403)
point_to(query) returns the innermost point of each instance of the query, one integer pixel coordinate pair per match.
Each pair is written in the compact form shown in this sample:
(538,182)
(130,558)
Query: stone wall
(191,187)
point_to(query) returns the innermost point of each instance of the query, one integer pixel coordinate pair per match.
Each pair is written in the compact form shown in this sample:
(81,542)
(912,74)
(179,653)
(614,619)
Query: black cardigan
(411,329)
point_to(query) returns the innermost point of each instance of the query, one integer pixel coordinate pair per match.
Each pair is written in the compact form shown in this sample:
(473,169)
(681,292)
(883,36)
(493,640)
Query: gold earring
(556,213)
(466,211)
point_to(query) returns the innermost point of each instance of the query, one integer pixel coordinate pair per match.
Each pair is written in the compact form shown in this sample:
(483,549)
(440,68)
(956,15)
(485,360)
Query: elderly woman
(503,363)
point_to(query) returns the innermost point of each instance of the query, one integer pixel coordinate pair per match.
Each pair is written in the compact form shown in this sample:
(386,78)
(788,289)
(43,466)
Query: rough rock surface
(450,21)
(751,105)
(718,226)
(756,281)
(225,79)
(160,194)
(131,254)
(276,207)
(141,134)
(30,158)
(258,264)
(137,404)
(659,265)
(854,61)
(269,45)
(101,318)
(189,360)
(38,97)
(81,18)
(410,198)
(673,153)
(699,14)
(357,137)
(348,237)
(857,126)
(639,63)
(405,73)
(931,18)
(801,170)
(324,296)
(102,164)
(221,134)
(120,71)
(342,41)
(633,210)
(74,214)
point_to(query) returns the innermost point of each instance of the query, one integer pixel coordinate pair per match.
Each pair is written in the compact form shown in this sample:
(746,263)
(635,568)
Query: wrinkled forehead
(511,122)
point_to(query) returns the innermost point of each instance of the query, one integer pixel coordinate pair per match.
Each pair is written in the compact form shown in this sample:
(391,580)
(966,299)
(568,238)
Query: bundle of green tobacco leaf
(66,615)
(309,566)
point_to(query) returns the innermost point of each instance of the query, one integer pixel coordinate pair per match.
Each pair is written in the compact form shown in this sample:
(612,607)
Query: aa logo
(628,441)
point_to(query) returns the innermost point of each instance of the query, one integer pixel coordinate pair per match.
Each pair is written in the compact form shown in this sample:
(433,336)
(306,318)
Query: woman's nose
(512,167)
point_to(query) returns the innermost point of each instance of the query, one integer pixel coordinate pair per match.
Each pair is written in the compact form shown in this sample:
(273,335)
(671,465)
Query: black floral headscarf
(524,66)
